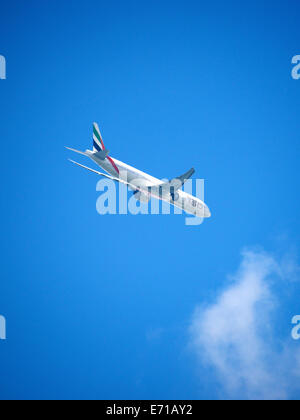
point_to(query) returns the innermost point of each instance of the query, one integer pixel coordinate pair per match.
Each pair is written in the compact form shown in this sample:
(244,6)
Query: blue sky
(102,306)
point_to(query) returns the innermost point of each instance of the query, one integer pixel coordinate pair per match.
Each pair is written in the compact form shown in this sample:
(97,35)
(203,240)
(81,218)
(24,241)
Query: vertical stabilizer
(98,144)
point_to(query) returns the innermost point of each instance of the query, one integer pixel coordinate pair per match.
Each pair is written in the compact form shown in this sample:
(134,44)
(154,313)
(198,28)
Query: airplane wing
(175,183)
(161,190)
(102,174)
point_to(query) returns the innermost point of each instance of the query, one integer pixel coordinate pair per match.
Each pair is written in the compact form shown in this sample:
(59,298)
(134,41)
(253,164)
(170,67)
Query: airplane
(144,186)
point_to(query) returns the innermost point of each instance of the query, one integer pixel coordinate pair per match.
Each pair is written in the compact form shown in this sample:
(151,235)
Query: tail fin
(98,144)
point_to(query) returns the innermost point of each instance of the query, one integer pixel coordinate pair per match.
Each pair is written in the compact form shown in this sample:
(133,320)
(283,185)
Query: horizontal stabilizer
(101,154)
(78,151)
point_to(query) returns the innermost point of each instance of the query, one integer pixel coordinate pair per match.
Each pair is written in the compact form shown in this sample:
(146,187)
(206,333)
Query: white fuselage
(143,181)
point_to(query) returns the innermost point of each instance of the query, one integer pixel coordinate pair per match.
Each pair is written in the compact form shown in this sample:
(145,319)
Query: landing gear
(174,195)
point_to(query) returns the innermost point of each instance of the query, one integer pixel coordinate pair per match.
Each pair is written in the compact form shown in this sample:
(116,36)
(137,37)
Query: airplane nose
(207,212)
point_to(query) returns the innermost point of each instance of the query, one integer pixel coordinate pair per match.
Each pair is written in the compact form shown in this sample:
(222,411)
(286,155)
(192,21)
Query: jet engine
(141,196)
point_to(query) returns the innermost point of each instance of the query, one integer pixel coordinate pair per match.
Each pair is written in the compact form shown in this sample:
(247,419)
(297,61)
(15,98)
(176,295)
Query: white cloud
(234,334)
